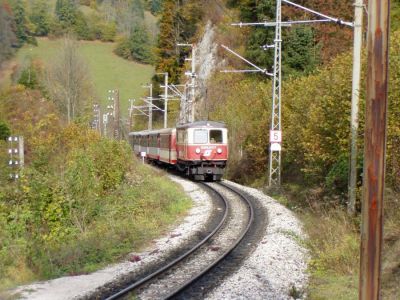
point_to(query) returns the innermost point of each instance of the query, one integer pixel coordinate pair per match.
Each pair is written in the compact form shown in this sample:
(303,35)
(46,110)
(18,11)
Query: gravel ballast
(276,269)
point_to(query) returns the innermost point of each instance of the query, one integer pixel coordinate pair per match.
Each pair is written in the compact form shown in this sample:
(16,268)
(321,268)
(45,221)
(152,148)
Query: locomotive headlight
(198,150)
(219,150)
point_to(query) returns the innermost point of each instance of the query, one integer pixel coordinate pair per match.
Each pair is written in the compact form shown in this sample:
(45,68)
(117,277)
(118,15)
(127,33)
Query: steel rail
(228,251)
(144,280)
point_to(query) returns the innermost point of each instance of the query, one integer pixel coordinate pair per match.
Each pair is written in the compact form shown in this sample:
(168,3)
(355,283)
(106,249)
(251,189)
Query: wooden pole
(21,152)
(374,150)
(116,115)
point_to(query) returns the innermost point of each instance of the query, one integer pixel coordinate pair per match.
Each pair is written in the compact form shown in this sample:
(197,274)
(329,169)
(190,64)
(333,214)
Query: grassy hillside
(107,70)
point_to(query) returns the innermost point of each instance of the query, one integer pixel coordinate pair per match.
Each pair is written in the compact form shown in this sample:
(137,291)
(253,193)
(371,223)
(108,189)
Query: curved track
(170,280)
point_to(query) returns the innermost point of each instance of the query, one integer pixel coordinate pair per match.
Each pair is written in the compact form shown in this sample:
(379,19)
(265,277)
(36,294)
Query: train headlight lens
(198,150)
(219,150)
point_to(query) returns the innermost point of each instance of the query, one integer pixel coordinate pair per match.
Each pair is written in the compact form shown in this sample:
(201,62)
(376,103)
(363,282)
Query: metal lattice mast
(187,103)
(183,106)
(275,149)
(165,99)
(150,125)
(193,85)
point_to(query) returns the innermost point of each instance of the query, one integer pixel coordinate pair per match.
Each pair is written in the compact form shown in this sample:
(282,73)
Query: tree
(178,23)
(136,47)
(68,81)
(4,131)
(21,30)
(29,77)
(155,6)
(66,12)
(299,50)
(300,54)
(81,27)
(137,10)
(7,35)
(40,17)
(127,14)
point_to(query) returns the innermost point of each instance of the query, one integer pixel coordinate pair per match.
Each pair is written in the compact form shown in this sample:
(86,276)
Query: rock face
(206,64)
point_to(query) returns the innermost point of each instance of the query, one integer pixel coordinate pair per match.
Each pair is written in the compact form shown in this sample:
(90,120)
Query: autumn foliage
(315,120)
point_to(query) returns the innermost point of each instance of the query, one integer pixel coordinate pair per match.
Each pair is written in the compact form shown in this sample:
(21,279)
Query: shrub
(136,47)
(4,131)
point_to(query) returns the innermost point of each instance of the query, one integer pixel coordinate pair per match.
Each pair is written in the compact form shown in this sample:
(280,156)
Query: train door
(169,147)
(186,142)
(158,146)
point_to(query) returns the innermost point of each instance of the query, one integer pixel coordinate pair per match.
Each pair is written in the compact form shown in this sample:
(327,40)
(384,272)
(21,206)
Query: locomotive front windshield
(203,136)
(200,136)
(215,136)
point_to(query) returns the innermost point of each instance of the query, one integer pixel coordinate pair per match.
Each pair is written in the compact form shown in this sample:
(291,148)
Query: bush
(81,27)
(136,47)
(77,187)
(5,131)
(123,48)
(107,32)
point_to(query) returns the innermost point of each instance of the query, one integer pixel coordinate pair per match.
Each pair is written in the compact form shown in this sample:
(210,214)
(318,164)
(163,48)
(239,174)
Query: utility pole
(374,149)
(96,125)
(105,125)
(149,101)
(130,110)
(150,125)
(176,92)
(183,104)
(17,156)
(355,96)
(116,125)
(189,105)
(165,99)
(99,119)
(110,119)
(21,152)
(193,84)
(275,148)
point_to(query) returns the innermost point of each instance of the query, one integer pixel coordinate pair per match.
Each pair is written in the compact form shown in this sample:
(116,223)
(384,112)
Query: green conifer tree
(140,44)
(155,6)
(21,30)
(40,17)
(167,53)
(66,12)
(300,54)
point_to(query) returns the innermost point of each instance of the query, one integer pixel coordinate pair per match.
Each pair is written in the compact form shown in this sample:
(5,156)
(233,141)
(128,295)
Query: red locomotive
(199,149)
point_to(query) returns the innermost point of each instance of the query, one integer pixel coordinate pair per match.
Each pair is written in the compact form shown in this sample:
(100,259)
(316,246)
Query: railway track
(182,273)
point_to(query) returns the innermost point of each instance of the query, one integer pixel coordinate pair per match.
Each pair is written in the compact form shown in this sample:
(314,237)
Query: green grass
(107,70)
(333,286)
(334,243)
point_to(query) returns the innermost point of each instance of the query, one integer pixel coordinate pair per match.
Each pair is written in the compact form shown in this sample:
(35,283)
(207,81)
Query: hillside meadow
(107,70)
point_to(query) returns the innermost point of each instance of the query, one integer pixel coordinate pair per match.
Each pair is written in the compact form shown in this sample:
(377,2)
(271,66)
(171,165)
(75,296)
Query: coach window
(215,136)
(200,136)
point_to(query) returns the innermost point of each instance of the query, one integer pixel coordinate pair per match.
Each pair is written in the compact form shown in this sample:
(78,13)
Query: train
(198,149)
